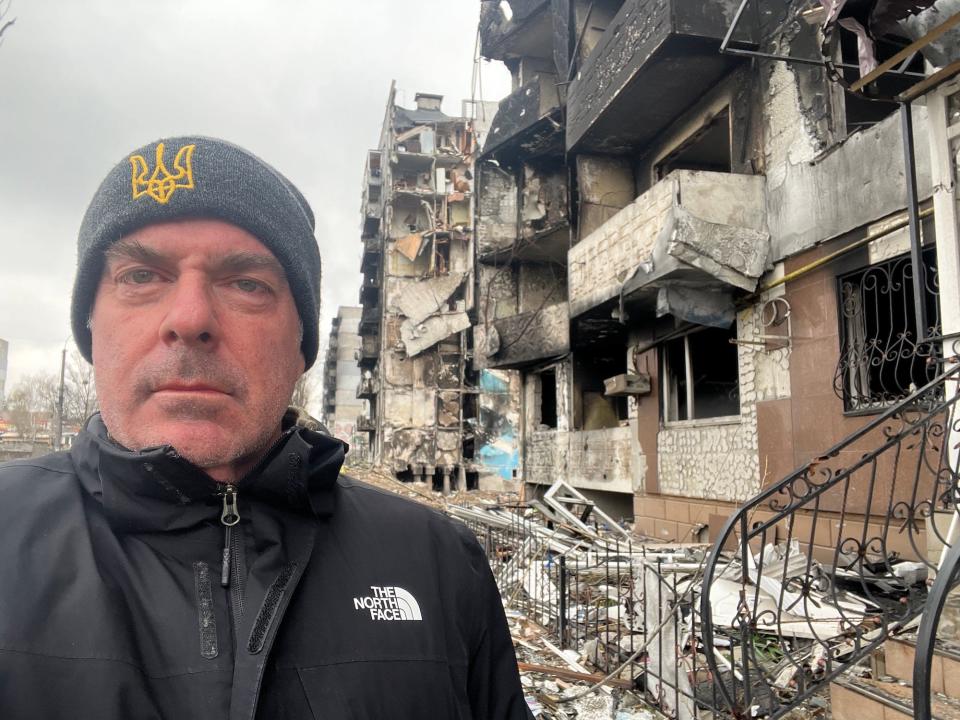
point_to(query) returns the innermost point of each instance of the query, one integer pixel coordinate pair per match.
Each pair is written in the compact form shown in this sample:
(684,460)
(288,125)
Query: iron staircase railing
(818,570)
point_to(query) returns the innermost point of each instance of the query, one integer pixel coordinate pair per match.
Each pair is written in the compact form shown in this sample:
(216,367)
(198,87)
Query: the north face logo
(389,603)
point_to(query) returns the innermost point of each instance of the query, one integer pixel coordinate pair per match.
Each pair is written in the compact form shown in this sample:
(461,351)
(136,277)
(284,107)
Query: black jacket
(342,601)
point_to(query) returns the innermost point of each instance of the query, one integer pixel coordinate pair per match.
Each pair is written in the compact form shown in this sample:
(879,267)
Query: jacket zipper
(232,570)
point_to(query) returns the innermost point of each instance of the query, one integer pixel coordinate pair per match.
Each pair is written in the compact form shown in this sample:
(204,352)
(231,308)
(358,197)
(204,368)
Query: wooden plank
(941,76)
(564,674)
(909,50)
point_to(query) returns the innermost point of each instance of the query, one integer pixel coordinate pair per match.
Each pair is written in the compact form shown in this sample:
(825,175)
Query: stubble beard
(208,452)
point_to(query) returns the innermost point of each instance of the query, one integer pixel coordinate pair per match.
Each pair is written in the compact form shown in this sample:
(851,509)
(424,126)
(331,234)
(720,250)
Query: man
(196,554)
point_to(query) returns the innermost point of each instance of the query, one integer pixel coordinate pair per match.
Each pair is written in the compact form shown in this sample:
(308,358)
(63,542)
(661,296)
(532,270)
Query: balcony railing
(365,424)
(692,227)
(369,351)
(527,115)
(654,60)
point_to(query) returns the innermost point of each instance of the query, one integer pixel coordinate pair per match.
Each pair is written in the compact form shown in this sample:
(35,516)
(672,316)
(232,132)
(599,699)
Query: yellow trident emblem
(161,183)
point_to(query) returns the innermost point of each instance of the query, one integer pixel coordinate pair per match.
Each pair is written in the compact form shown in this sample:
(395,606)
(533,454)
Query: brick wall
(599,263)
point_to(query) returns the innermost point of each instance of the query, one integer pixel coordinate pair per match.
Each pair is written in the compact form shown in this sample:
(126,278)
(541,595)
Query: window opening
(707,149)
(595,410)
(861,110)
(881,360)
(442,262)
(701,376)
(548,399)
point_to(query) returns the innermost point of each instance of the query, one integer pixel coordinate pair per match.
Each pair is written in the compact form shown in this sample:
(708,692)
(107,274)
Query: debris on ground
(608,625)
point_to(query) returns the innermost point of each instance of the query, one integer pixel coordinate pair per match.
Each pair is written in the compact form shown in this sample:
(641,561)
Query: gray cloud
(303,84)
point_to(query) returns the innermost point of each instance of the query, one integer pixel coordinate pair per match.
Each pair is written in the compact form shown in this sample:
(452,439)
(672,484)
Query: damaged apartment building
(418,294)
(693,239)
(341,380)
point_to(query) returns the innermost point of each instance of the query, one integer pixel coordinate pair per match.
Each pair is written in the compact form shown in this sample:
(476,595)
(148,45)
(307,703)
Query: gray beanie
(200,177)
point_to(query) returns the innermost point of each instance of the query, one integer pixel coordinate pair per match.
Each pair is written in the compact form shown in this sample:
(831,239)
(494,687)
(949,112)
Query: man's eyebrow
(234,262)
(240,261)
(133,250)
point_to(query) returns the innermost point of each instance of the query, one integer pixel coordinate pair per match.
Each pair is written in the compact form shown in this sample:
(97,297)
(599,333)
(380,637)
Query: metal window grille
(883,358)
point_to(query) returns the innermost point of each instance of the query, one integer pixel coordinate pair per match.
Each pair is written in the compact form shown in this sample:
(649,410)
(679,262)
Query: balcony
(372,249)
(369,321)
(369,351)
(372,210)
(693,234)
(370,290)
(656,58)
(371,187)
(528,121)
(528,32)
(365,424)
(520,340)
(367,389)
(539,206)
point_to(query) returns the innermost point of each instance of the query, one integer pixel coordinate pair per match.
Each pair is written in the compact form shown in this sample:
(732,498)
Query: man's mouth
(191,387)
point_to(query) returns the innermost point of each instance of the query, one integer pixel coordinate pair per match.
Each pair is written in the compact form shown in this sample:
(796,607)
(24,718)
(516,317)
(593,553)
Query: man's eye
(249,286)
(138,277)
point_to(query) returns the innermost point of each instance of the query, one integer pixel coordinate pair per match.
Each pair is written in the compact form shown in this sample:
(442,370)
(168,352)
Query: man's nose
(191,316)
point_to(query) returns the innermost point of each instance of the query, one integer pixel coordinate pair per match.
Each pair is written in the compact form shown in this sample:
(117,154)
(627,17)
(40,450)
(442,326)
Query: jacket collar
(157,490)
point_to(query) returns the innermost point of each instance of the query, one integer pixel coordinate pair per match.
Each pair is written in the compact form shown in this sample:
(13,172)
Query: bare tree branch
(5,25)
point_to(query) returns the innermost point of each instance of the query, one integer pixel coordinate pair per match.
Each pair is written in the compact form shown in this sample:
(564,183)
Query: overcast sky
(301,83)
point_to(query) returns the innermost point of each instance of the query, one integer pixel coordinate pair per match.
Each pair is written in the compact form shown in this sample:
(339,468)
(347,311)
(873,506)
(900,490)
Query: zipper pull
(229,517)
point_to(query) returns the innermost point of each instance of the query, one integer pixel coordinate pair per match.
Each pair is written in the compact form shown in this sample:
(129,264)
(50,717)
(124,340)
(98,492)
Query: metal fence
(627,608)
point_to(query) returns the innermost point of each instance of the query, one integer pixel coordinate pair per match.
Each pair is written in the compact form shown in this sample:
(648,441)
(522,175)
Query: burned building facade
(418,296)
(341,381)
(698,261)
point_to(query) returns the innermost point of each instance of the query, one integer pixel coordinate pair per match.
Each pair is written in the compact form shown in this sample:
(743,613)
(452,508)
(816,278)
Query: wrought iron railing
(814,573)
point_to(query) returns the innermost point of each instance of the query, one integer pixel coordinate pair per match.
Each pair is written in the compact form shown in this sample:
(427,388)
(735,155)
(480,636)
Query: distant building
(341,380)
(428,418)
(4,347)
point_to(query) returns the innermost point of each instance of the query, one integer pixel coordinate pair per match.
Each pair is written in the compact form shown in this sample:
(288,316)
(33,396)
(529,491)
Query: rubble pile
(606,625)
(421,492)
(624,614)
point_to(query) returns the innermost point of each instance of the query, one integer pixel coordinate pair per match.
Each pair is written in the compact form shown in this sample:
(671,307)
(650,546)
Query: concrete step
(944,671)
(864,699)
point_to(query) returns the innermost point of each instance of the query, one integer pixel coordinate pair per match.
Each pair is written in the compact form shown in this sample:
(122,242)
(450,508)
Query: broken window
(701,376)
(881,357)
(593,409)
(861,109)
(707,149)
(548,399)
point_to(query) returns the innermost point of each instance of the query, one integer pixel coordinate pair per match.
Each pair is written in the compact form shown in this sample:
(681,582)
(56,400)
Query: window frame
(667,391)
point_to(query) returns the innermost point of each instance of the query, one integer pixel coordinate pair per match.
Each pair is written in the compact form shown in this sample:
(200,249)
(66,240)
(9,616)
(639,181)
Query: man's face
(196,343)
